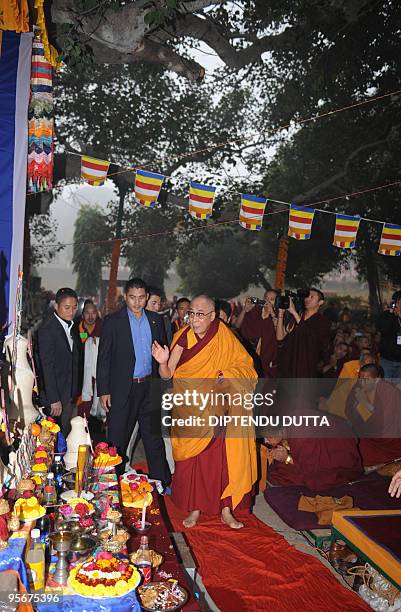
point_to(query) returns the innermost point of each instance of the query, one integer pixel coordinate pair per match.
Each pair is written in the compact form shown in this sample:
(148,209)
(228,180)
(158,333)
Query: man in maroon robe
(304,341)
(258,325)
(316,463)
(374,409)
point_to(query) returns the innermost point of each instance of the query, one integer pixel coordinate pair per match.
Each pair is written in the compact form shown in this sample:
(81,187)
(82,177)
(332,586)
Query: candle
(143,516)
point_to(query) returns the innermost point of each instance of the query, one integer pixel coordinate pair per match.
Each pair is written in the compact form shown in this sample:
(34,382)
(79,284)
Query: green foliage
(91,228)
(43,236)
(223,263)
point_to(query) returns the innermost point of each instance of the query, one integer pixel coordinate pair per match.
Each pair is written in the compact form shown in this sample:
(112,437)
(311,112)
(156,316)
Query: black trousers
(121,422)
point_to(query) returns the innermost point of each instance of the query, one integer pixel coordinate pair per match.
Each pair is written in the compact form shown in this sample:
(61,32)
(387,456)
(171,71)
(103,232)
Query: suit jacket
(60,369)
(116,357)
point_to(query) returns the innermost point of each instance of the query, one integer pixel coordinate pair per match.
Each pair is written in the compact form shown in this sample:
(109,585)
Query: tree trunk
(372,277)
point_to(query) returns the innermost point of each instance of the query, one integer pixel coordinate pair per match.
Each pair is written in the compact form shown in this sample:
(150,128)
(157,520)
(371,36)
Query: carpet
(256,570)
(370,494)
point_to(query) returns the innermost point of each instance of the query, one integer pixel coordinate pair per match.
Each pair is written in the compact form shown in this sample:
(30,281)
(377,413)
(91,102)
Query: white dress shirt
(67,325)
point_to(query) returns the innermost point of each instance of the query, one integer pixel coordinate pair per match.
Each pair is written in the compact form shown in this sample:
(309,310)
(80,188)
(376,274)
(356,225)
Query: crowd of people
(107,368)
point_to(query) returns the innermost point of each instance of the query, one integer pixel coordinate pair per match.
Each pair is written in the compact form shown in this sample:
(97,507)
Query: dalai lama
(214,469)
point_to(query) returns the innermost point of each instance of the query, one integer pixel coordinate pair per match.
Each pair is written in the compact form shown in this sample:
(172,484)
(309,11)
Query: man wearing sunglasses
(215,466)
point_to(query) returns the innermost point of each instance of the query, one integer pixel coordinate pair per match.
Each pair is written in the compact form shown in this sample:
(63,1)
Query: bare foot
(191,519)
(228,519)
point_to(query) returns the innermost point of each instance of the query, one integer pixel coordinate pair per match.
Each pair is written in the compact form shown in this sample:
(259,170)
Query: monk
(215,468)
(303,342)
(316,463)
(258,324)
(336,402)
(374,409)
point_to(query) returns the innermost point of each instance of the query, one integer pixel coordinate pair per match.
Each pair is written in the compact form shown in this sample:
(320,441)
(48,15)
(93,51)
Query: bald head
(201,314)
(203,299)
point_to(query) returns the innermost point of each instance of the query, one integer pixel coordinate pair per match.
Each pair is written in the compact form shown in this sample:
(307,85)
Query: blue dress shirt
(142,341)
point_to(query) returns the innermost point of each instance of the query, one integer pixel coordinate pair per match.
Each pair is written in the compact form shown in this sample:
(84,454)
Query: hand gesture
(395,485)
(56,409)
(105,401)
(161,354)
(278,454)
(292,309)
(248,305)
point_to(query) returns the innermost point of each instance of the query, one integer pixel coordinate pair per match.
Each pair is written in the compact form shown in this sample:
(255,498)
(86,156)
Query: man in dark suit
(125,368)
(59,356)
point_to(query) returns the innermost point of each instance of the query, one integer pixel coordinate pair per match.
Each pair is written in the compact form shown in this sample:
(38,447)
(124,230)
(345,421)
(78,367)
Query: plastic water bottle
(143,560)
(35,562)
(58,471)
(49,491)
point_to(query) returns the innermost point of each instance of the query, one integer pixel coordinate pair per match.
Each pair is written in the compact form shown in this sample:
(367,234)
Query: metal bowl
(83,545)
(72,525)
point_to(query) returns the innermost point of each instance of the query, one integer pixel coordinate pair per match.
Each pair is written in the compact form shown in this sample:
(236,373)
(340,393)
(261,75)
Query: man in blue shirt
(125,368)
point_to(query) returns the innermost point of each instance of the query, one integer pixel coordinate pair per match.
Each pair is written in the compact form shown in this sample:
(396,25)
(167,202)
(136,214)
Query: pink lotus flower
(143,478)
(122,567)
(86,522)
(134,486)
(113,451)
(66,510)
(50,418)
(132,476)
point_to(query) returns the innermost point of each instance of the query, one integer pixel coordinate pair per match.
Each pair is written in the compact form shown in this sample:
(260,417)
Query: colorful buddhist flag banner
(41,122)
(251,212)
(201,199)
(147,187)
(345,231)
(300,222)
(390,242)
(94,171)
(15,73)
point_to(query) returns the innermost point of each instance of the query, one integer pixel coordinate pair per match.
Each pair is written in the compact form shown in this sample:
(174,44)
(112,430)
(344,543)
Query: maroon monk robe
(380,435)
(253,328)
(302,349)
(199,482)
(318,463)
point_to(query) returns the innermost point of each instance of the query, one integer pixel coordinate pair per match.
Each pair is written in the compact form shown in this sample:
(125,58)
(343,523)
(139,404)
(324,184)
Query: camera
(257,301)
(298,297)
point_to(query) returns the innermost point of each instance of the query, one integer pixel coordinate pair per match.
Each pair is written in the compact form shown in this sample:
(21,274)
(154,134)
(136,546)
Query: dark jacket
(389,325)
(60,370)
(116,357)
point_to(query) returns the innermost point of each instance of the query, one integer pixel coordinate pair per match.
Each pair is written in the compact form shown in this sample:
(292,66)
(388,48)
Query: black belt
(141,380)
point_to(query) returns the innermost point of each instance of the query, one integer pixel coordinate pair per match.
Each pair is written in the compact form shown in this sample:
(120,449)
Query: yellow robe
(222,354)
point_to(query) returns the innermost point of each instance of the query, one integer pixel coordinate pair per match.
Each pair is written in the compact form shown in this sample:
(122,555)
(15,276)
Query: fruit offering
(28,507)
(136,491)
(106,456)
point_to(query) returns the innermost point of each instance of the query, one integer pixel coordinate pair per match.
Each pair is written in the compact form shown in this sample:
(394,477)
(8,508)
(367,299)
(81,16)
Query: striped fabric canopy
(346,231)
(94,171)
(390,243)
(147,188)
(201,199)
(300,222)
(251,212)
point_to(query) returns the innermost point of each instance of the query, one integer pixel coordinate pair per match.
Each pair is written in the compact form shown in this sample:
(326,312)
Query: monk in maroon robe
(374,409)
(258,325)
(303,342)
(316,463)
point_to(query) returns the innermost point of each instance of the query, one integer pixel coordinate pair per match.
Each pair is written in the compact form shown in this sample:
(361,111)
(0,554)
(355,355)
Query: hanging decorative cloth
(14,16)
(41,122)
(201,199)
(390,242)
(251,212)
(94,171)
(300,222)
(346,231)
(147,188)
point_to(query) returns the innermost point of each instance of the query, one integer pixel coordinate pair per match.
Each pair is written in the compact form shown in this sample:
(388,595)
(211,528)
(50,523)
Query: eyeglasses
(198,315)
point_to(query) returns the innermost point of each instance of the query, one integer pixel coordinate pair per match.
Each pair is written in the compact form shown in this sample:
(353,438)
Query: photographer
(304,340)
(257,323)
(389,325)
